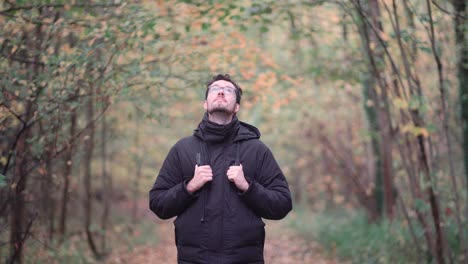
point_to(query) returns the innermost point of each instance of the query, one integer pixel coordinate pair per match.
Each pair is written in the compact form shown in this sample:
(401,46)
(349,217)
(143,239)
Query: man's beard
(220,109)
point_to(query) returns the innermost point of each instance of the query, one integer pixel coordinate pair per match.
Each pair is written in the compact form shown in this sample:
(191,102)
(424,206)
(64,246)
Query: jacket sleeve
(268,195)
(169,196)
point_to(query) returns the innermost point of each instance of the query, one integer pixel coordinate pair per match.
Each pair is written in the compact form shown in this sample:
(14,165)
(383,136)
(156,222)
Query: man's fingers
(204,168)
(207,174)
(207,178)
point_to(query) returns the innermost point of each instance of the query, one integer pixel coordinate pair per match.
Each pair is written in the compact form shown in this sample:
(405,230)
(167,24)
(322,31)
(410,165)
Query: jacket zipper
(222,208)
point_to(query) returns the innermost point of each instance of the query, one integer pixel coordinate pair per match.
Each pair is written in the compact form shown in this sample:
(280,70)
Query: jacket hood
(247,131)
(235,131)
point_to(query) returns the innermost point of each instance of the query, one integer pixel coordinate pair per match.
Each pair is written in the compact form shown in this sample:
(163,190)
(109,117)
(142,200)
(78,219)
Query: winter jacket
(218,223)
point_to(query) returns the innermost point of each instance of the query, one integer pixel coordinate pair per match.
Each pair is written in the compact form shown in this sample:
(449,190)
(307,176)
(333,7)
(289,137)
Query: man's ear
(205,105)
(236,109)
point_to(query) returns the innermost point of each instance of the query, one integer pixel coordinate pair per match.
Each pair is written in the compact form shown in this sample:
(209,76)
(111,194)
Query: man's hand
(203,174)
(235,174)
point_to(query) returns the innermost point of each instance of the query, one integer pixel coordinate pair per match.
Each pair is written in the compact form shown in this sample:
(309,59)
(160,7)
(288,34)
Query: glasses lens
(215,89)
(227,90)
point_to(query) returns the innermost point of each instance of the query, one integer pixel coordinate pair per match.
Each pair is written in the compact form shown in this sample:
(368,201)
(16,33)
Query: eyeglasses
(226,90)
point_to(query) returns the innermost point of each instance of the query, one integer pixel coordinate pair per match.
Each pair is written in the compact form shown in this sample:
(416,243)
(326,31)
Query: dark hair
(225,77)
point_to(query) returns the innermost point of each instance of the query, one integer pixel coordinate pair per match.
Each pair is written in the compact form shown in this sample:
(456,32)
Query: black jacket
(218,224)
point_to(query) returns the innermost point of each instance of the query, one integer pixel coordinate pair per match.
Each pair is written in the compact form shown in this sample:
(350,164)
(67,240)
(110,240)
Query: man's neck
(220,118)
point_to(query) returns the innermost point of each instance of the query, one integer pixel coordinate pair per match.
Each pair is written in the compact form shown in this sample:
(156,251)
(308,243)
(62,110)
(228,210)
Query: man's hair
(225,77)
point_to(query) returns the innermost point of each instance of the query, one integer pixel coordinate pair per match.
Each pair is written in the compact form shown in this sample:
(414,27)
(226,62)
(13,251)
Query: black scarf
(215,133)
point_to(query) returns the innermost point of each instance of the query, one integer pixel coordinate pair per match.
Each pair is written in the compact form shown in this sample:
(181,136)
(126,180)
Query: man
(220,182)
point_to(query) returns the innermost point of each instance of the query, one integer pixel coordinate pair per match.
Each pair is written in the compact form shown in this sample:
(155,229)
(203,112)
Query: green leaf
(2,180)
(421,205)
(264,29)
(425,49)
(431,128)
(206,26)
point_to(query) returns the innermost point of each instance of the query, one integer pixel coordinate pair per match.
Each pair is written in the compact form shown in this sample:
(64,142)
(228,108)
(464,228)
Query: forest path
(282,245)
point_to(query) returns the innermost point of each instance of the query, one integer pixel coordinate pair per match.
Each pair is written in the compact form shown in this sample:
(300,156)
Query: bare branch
(446,11)
(29,7)
(13,113)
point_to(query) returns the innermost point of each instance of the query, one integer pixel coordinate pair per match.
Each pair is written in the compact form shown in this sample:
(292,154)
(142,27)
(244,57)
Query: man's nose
(221,92)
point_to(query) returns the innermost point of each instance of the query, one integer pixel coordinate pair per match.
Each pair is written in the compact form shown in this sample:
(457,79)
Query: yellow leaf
(3,160)
(67,49)
(400,103)
(384,36)
(415,131)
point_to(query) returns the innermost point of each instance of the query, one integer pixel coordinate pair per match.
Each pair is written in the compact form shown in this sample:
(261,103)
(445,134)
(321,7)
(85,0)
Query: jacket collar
(234,131)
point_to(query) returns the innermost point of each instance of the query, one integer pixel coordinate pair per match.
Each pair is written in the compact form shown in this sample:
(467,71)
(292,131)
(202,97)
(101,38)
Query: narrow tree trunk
(17,200)
(88,149)
(461,14)
(106,187)
(67,161)
(328,181)
(344,27)
(295,37)
(370,102)
(18,233)
(378,64)
(445,113)
(50,212)
(47,183)
(433,201)
(461,44)
(375,107)
(416,90)
(68,166)
(138,163)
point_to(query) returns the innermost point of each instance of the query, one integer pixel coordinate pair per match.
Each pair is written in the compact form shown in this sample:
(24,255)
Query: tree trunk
(138,163)
(88,154)
(377,65)
(370,100)
(106,186)
(49,199)
(376,107)
(328,181)
(461,42)
(17,200)
(68,160)
(68,166)
(460,7)
(18,232)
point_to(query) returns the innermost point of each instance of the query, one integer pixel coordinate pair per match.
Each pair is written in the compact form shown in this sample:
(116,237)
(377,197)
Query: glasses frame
(224,89)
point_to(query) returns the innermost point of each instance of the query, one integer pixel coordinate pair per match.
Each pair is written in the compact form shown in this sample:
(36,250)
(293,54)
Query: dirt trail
(282,246)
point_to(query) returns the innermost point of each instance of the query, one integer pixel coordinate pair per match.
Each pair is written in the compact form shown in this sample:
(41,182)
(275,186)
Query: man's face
(221,98)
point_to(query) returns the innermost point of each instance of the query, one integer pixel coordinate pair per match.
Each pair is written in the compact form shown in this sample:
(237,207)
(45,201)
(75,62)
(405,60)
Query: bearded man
(219,183)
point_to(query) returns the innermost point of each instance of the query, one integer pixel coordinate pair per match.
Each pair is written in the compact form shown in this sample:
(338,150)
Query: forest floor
(282,245)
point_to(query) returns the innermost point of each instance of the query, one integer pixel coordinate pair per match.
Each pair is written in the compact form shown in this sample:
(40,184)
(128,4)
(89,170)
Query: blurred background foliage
(363,102)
